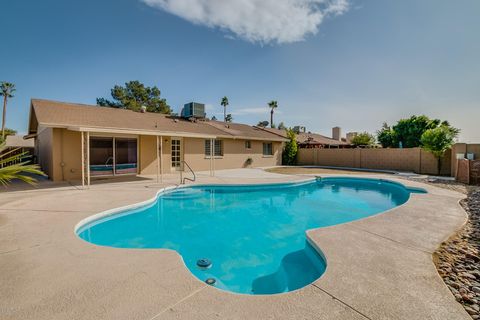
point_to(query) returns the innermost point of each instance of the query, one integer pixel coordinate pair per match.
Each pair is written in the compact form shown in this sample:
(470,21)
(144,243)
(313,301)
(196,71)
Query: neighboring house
(312,140)
(76,141)
(13,142)
(16,145)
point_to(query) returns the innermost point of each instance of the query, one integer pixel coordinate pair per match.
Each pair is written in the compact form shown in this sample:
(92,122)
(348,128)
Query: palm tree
(272,105)
(224,103)
(16,165)
(6,90)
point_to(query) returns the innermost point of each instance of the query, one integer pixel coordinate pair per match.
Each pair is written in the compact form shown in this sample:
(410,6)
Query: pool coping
(389,241)
(140,205)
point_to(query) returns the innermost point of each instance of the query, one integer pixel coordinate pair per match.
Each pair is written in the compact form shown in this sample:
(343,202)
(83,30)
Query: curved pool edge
(98,217)
(134,208)
(84,262)
(139,205)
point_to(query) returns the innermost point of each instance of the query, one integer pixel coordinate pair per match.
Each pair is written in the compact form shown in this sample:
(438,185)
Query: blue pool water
(254,236)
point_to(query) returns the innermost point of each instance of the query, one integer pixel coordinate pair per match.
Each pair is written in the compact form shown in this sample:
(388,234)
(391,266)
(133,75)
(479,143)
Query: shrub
(438,140)
(289,155)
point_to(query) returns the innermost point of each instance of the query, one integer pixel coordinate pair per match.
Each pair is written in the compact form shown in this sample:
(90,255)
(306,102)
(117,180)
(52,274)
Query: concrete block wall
(408,159)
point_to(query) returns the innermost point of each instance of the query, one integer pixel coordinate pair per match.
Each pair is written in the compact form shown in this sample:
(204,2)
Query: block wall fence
(408,159)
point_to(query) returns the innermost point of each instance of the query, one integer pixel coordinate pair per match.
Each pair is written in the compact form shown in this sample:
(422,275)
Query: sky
(348,63)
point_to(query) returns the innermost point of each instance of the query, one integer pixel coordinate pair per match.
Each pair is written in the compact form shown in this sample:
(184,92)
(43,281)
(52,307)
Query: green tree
(224,103)
(272,105)
(438,140)
(6,90)
(16,165)
(407,133)
(386,136)
(282,126)
(363,139)
(8,132)
(229,118)
(133,96)
(289,155)
(214,118)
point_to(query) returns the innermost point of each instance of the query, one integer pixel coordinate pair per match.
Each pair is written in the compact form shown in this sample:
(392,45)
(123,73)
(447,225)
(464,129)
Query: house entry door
(176,154)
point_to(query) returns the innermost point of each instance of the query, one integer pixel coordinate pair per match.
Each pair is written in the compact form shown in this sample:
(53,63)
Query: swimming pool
(247,239)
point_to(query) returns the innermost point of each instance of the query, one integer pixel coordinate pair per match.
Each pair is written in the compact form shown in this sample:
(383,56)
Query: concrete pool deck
(377,268)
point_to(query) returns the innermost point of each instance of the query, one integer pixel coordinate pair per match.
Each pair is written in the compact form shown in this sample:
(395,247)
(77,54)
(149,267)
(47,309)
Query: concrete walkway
(377,268)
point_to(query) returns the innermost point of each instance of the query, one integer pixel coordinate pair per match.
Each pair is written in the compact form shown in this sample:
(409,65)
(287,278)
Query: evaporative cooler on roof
(193,110)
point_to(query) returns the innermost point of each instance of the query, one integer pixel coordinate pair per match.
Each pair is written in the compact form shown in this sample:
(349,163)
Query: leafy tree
(272,105)
(229,118)
(8,132)
(224,103)
(6,90)
(262,124)
(407,133)
(438,140)
(214,118)
(15,165)
(289,155)
(363,139)
(386,136)
(133,96)
(282,126)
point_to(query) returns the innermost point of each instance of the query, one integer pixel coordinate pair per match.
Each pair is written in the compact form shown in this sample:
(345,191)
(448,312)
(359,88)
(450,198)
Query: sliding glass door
(101,156)
(113,156)
(125,155)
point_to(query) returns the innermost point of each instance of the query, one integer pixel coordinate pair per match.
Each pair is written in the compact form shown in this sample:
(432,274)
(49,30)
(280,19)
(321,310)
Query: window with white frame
(267,149)
(218,150)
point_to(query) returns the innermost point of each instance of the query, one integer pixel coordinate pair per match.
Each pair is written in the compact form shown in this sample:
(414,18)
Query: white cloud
(262,21)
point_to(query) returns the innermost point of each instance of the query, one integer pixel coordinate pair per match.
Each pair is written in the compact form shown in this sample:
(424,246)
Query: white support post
(213,161)
(83,159)
(88,159)
(161,159)
(212,145)
(158,161)
(114,161)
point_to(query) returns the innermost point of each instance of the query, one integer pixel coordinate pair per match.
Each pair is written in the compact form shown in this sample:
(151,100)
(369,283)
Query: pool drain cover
(210,281)
(204,263)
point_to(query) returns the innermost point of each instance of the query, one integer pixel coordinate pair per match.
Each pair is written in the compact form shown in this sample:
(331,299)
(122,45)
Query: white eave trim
(161,133)
(142,132)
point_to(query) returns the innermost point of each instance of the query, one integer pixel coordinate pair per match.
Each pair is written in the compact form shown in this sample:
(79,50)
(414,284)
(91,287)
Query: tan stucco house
(80,142)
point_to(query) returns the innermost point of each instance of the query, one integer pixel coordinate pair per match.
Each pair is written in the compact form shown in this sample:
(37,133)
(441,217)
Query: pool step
(184,193)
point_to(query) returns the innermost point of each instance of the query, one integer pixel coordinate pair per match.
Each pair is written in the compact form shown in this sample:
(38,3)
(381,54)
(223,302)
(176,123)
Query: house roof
(80,117)
(243,130)
(18,142)
(309,138)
